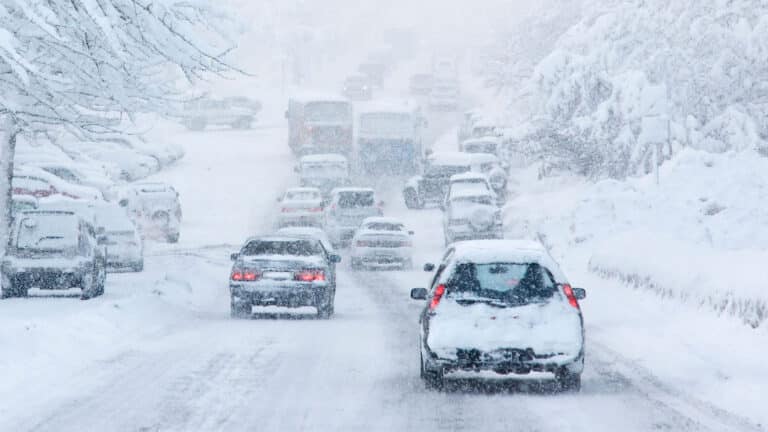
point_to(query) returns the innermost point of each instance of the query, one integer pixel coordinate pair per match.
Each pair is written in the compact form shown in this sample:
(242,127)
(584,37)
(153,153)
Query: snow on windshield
(280,247)
(47,233)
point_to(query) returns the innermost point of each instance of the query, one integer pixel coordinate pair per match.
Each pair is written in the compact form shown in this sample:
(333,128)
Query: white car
(133,165)
(323,171)
(471,214)
(236,112)
(301,207)
(502,306)
(382,241)
(347,209)
(79,174)
(155,208)
(125,248)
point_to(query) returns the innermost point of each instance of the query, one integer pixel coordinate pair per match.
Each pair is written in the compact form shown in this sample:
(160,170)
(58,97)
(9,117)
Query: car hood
(553,327)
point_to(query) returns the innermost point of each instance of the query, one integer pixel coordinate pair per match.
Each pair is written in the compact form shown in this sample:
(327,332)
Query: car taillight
(568,291)
(245,275)
(309,276)
(251,276)
(237,275)
(439,291)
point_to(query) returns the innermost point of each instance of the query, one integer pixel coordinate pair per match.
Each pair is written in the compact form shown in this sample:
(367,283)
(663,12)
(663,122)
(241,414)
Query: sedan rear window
(302,196)
(282,247)
(510,282)
(385,226)
(356,199)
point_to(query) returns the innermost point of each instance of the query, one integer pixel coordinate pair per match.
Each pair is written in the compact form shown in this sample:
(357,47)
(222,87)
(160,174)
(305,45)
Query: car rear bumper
(49,279)
(284,294)
(507,361)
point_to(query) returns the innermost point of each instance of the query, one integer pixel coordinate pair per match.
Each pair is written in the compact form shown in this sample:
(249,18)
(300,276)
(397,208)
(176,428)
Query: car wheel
(240,310)
(12,288)
(433,380)
(325,309)
(568,382)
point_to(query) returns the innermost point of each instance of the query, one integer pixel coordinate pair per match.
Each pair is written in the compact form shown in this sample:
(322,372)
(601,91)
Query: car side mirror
(419,294)
(234,256)
(579,293)
(335,258)
(428,267)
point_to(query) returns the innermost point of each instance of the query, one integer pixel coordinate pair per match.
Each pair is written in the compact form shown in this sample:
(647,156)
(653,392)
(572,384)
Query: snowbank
(698,236)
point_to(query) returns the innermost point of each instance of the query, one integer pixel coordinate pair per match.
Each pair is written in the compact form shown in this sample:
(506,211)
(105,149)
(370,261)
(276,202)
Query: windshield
(384,226)
(355,199)
(386,123)
(282,247)
(328,112)
(47,233)
(510,282)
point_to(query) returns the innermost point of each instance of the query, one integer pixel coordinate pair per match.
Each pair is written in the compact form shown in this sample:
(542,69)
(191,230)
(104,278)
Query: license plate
(278,275)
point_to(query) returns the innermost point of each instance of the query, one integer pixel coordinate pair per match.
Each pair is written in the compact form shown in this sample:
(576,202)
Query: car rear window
(471,200)
(282,247)
(515,283)
(355,199)
(385,226)
(437,170)
(47,233)
(302,195)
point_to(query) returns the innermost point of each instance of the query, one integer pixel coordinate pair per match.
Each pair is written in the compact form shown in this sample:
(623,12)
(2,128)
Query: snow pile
(698,236)
(696,62)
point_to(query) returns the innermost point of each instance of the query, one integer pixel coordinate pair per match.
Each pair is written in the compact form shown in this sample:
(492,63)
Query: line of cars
(74,218)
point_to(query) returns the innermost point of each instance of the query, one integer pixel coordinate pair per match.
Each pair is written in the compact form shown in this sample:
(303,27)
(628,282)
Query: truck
(389,138)
(320,124)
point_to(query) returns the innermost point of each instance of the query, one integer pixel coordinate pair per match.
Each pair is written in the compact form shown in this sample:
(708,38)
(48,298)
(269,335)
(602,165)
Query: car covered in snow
(501,306)
(282,271)
(471,214)
(357,88)
(20,203)
(131,163)
(469,182)
(78,174)
(155,208)
(53,250)
(301,207)
(347,209)
(319,123)
(323,171)
(382,242)
(125,247)
(236,112)
(432,185)
(488,144)
(36,182)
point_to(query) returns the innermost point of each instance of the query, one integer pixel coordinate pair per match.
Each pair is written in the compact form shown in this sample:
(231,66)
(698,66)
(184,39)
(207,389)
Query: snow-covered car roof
(468,176)
(382,219)
(450,158)
(325,157)
(512,251)
(318,96)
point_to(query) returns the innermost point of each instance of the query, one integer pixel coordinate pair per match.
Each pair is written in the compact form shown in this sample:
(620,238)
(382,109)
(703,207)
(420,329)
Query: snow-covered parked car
(20,203)
(382,242)
(79,174)
(53,250)
(301,207)
(347,209)
(131,163)
(502,306)
(125,248)
(323,171)
(236,112)
(33,181)
(156,209)
(471,214)
(432,185)
(282,271)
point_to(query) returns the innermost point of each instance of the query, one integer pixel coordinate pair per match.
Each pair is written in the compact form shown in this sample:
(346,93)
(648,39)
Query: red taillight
(568,291)
(250,276)
(439,291)
(245,275)
(237,275)
(310,276)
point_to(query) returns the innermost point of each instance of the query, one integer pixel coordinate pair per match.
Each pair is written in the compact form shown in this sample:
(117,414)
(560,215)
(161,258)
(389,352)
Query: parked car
(301,207)
(53,250)
(502,306)
(358,88)
(382,242)
(155,208)
(347,209)
(312,233)
(320,124)
(471,215)
(432,185)
(282,271)
(36,182)
(421,84)
(323,171)
(132,164)
(77,174)
(238,113)
(125,248)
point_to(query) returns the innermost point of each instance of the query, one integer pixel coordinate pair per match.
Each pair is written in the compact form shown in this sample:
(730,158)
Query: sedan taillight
(309,276)
(568,291)
(439,291)
(245,275)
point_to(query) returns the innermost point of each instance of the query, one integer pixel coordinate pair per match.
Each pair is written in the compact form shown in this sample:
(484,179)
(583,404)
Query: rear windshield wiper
(489,302)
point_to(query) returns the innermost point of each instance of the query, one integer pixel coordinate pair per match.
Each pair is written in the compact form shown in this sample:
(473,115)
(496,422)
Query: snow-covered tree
(87,65)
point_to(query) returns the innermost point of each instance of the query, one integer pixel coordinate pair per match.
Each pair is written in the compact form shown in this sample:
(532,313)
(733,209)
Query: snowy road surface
(159,351)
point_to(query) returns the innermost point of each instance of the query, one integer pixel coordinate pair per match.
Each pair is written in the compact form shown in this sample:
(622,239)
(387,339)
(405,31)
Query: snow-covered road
(159,351)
